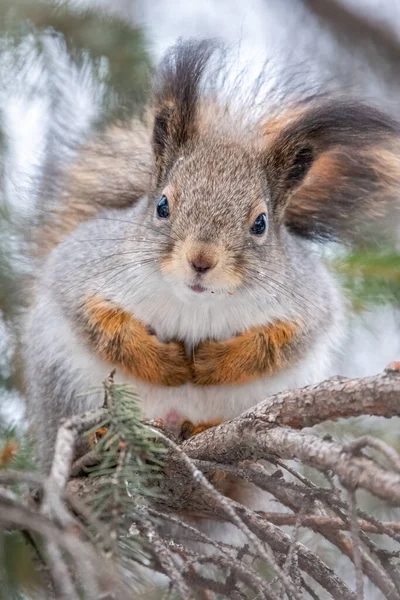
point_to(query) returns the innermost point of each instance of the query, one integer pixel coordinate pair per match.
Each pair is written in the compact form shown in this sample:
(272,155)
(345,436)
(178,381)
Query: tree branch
(269,431)
(336,398)
(257,433)
(334,523)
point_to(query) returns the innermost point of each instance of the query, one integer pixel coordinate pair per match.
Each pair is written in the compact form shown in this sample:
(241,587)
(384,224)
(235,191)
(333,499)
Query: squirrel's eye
(260,225)
(163,208)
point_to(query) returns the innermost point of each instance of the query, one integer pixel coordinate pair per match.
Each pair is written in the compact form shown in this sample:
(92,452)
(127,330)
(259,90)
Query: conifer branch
(134,512)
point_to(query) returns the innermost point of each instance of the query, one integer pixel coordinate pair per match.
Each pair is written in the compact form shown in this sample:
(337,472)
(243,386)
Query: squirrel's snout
(201,264)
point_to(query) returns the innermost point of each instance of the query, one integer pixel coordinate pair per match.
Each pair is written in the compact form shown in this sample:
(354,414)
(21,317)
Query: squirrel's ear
(326,167)
(287,164)
(176,99)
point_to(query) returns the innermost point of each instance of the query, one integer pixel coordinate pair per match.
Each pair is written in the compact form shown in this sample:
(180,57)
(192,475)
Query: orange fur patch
(95,436)
(8,452)
(189,429)
(125,342)
(261,350)
(351,189)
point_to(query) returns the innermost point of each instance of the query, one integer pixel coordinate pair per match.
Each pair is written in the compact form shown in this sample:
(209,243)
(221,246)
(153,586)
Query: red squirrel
(181,253)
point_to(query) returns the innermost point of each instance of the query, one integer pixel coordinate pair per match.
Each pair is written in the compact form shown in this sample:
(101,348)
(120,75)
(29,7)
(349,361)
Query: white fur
(196,317)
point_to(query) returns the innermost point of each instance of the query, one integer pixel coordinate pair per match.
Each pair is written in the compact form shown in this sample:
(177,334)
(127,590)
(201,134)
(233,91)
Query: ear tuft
(333,167)
(176,97)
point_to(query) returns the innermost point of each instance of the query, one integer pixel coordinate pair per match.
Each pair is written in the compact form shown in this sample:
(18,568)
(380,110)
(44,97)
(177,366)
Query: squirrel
(182,253)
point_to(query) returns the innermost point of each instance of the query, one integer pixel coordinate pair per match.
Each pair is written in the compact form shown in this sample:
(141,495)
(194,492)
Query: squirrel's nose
(201,264)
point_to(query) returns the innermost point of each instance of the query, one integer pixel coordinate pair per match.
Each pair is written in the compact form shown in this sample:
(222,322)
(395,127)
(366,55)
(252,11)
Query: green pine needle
(371,277)
(132,461)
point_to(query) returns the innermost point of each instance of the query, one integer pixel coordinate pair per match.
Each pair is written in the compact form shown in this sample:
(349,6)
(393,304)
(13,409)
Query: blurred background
(68,68)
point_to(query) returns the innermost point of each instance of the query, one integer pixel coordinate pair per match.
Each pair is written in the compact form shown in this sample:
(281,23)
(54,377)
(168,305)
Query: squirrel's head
(215,208)
(223,196)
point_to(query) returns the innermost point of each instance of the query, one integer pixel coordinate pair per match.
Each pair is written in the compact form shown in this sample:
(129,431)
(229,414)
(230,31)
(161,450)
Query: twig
(388,528)
(13,511)
(318,521)
(64,452)
(309,590)
(53,504)
(231,580)
(164,555)
(356,546)
(32,542)
(293,497)
(62,579)
(248,436)
(198,536)
(108,384)
(246,573)
(291,563)
(333,399)
(218,587)
(83,555)
(226,507)
(10,477)
(168,593)
(280,542)
(82,464)
(372,568)
(263,433)
(358,444)
(308,561)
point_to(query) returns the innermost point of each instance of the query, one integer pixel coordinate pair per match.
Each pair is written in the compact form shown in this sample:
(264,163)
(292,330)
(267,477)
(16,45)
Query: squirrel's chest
(205,403)
(198,403)
(224,402)
(194,322)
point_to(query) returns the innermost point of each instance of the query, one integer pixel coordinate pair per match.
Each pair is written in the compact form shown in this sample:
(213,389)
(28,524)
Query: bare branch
(356,546)
(230,513)
(165,557)
(336,398)
(318,521)
(64,452)
(53,504)
(83,556)
(266,432)
(308,561)
(367,440)
(62,579)
(255,434)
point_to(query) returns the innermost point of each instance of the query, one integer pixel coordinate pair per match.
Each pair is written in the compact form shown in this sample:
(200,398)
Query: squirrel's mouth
(197,288)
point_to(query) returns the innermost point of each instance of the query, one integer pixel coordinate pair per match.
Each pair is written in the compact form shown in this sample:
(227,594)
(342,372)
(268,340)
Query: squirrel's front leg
(123,341)
(261,350)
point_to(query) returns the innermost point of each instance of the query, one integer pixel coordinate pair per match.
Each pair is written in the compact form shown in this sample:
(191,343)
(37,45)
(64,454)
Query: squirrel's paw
(95,436)
(258,351)
(167,365)
(189,429)
(219,363)
(156,362)
(128,344)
